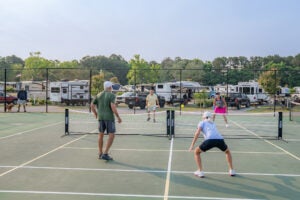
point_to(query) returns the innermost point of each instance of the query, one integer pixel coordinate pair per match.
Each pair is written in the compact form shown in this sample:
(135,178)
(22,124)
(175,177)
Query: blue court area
(38,161)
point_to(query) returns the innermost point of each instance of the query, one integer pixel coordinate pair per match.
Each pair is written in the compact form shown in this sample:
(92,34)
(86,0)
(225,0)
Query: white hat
(207,114)
(107,84)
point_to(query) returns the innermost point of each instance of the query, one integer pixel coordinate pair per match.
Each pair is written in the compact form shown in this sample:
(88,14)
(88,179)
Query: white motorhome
(252,89)
(70,92)
(175,91)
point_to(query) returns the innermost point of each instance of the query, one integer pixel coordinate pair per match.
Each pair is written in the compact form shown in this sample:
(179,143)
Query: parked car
(121,98)
(139,100)
(237,100)
(9,98)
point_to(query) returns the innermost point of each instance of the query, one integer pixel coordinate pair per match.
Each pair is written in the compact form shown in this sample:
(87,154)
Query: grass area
(267,108)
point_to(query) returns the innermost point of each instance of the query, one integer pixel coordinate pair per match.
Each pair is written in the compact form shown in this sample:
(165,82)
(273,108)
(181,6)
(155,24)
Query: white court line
(114,195)
(292,140)
(167,185)
(20,133)
(146,171)
(276,146)
(30,161)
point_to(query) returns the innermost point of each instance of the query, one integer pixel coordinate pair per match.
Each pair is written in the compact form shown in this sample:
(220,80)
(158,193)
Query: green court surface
(38,161)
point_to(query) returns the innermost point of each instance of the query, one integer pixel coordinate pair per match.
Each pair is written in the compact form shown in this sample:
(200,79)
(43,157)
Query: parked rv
(252,89)
(70,92)
(175,92)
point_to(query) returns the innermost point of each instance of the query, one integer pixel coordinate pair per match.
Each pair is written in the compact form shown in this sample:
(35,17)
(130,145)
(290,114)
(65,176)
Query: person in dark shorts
(104,109)
(212,138)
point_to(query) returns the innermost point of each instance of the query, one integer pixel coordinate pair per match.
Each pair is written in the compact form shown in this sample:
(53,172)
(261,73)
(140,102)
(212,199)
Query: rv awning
(188,84)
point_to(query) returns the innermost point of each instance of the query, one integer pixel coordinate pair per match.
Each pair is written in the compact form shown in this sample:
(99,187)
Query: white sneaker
(227,125)
(232,172)
(199,174)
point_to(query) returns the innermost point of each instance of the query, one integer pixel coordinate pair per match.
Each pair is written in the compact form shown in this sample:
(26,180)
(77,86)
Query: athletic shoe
(100,156)
(106,157)
(154,120)
(148,119)
(199,174)
(232,172)
(227,125)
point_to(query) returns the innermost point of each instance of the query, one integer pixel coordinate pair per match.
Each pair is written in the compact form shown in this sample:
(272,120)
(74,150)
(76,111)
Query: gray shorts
(151,108)
(107,125)
(21,102)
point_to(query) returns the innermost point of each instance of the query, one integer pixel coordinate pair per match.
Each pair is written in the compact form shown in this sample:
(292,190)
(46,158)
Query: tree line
(221,70)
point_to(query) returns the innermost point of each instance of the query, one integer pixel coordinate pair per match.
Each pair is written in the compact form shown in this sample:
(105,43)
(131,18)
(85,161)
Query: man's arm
(115,111)
(147,100)
(197,133)
(93,108)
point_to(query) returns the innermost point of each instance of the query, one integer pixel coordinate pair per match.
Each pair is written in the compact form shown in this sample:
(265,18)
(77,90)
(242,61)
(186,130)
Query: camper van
(253,90)
(70,92)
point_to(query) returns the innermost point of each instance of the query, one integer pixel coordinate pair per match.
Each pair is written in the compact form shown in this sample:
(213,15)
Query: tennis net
(295,111)
(241,126)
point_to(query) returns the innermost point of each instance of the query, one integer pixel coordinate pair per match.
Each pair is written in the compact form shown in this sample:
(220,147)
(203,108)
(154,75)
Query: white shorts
(22,102)
(151,108)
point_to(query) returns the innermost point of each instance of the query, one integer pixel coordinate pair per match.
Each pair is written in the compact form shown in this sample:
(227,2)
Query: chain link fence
(52,89)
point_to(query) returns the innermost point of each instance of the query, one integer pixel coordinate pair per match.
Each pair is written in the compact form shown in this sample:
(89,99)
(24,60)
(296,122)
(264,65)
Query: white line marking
(30,161)
(276,146)
(167,185)
(114,195)
(145,171)
(20,133)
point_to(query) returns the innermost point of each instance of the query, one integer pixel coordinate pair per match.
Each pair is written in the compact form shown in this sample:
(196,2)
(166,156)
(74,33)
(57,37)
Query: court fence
(49,87)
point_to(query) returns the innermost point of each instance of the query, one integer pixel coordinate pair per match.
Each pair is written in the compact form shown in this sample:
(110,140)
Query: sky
(65,30)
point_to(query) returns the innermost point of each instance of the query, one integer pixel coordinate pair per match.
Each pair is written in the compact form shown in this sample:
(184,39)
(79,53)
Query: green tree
(269,81)
(35,67)
(114,64)
(165,72)
(139,71)
(97,83)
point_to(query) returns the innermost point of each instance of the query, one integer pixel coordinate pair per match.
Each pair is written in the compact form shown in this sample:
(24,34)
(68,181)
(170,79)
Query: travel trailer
(175,91)
(70,92)
(253,90)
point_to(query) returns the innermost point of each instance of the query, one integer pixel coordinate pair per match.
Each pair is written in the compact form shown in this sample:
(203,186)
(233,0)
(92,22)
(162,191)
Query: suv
(237,100)
(9,98)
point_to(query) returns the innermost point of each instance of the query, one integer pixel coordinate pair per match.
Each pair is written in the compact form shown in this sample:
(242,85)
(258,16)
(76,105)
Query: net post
(67,121)
(172,123)
(279,125)
(168,122)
